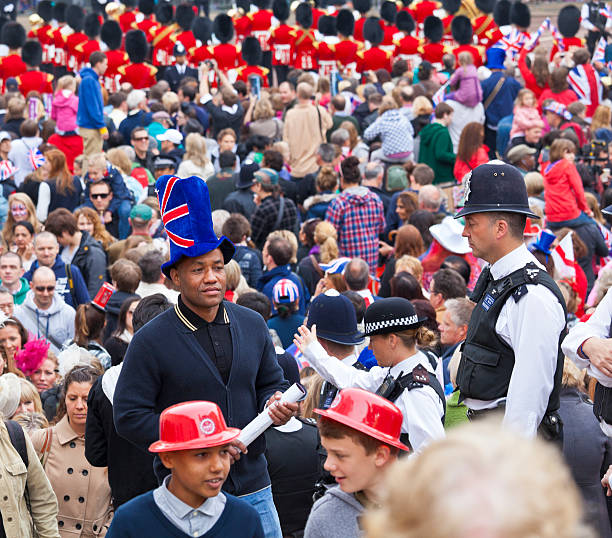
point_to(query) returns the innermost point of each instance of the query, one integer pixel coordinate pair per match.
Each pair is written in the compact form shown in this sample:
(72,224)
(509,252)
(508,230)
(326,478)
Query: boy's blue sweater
(141,517)
(90,113)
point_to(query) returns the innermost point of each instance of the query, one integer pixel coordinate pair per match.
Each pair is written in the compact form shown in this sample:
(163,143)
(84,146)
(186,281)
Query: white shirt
(192,521)
(531,328)
(462,115)
(597,326)
(586,23)
(421,407)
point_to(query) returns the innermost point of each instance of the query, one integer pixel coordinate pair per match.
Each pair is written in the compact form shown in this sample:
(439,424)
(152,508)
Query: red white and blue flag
(171,215)
(37,159)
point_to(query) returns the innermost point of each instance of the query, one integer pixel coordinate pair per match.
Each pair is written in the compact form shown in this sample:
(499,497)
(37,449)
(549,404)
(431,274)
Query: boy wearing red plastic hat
(194,443)
(361,434)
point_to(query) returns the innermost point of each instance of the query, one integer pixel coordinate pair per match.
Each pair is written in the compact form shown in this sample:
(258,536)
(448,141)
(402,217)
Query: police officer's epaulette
(532,276)
(308,421)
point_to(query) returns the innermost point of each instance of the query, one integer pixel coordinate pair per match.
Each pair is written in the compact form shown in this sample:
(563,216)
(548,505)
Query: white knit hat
(10,395)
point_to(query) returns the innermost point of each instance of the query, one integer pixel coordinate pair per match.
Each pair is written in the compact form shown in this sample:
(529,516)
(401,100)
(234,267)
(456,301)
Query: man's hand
(599,352)
(305,337)
(280,413)
(605,482)
(108,217)
(384,249)
(236,448)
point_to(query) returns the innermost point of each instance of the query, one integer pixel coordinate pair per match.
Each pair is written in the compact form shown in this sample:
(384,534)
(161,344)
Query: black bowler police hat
(495,186)
(391,315)
(335,319)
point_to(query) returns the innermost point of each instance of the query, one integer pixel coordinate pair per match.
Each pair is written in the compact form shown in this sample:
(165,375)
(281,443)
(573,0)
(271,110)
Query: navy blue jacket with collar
(61,278)
(165,365)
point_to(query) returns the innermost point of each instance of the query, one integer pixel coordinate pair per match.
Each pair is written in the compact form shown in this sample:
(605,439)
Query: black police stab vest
(487,361)
(602,399)
(329,391)
(595,15)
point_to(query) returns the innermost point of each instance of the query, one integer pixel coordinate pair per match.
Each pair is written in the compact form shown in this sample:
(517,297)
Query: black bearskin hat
(91,25)
(372,31)
(262,4)
(13,35)
(388,12)
(433,29)
(303,15)
(251,51)
(45,10)
(405,22)
(451,6)
(486,6)
(164,12)
(31,53)
(202,29)
(223,28)
(136,46)
(362,6)
(520,15)
(281,10)
(345,22)
(75,17)
(185,16)
(462,31)
(59,11)
(501,13)
(146,7)
(568,21)
(327,25)
(111,34)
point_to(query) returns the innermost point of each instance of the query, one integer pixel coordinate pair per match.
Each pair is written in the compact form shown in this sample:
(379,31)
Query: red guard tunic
(358,30)
(11,66)
(567,42)
(373,59)
(316,15)
(421,10)
(475,51)
(116,58)
(44,35)
(72,54)
(304,51)
(199,55)
(36,81)
(227,56)
(86,50)
(242,27)
(60,35)
(140,76)
(163,44)
(245,71)
(446,25)
(280,41)
(127,21)
(147,25)
(407,48)
(346,56)
(326,55)
(433,52)
(187,39)
(261,22)
(482,26)
(390,30)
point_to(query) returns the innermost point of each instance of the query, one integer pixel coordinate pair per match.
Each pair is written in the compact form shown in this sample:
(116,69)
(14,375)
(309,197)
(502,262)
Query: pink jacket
(64,110)
(523,117)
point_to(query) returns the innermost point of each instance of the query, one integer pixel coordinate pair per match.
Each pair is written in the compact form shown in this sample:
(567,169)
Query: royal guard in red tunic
(261,23)
(423,9)
(388,13)
(451,7)
(501,16)
(44,34)
(317,12)
(75,19)
(145,20)
(241,20)
(432,50)
(362,6)
(304,50)
(252,55)
(568,24)
(128,18)
(162,41)
(347,48)
(91,27)
(202,31)
(60,35)
(227,55)
(325,44)
(280,41)
(111,35)
(407,48)
(185,15)
(139,74)
(485,22)
(34,80)
(462,34)
(11,66)
(373,58)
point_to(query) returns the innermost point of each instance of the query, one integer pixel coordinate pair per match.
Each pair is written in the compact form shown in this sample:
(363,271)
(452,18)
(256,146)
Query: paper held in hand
(295,393)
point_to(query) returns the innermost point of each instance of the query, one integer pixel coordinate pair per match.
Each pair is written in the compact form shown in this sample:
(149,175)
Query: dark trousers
(491,142)
(592,40)
(281,73)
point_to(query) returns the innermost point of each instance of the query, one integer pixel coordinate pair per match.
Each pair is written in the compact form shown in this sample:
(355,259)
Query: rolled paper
(295,393)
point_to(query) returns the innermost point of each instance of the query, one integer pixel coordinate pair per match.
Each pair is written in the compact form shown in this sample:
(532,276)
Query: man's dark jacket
(165,365)
(91,260)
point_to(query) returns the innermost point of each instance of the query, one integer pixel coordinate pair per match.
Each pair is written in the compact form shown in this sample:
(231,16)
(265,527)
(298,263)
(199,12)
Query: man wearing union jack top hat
(203,349)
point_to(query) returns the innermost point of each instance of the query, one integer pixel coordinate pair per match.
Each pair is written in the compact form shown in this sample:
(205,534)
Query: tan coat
(13,479)
(304,135)
(83,493)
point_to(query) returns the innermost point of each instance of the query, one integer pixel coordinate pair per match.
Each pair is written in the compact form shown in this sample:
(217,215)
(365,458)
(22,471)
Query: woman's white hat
(10,395)
(448,234)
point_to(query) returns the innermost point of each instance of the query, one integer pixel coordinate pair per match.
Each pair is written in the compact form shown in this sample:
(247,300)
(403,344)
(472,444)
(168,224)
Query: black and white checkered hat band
(401,322)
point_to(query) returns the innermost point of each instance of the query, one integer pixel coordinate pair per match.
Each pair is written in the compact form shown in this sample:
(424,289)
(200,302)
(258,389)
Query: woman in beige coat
(82,491)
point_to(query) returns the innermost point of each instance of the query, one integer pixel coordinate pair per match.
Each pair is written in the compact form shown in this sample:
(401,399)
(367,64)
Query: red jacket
(127,20)
(373,59)
(36,81)
(461,167)
(116,58)
(11,66)
(482,25)
(163,44)
(245,71)
(280,41)
(261,23)
(304,50)
(528,77)
(433,52)
(563,191)
(566,97)
(358,30)
(140,76)
(474,51)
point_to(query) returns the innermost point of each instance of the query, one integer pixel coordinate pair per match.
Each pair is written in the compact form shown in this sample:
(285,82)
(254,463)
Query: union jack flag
(438,97)
(37,159)
(172,214)
(599,55)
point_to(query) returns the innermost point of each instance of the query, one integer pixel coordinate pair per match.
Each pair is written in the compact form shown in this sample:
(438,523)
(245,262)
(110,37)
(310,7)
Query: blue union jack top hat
(186,214)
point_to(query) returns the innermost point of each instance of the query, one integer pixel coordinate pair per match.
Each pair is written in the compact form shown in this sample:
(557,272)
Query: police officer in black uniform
(511,358)
(180,70)
(593,20)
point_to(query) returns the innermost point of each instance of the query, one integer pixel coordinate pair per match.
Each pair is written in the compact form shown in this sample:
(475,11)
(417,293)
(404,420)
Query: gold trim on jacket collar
(190,325)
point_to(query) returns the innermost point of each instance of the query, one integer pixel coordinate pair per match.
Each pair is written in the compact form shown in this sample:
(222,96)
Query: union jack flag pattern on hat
(37,159)
(285,291)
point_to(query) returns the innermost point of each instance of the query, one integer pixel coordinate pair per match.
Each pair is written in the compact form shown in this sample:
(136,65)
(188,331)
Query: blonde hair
(30,394)
(232,275)
(466,58)
(464,484)
(283,149)
(99,233)
(326,236)
(601,118)
(572,376)
(313,384)
(288,236)
(263,109)
(534,181)
(421,105)
(196,150)
(67,82)
(32,422)
(388,103)
(97,161)
(171,102)
(7,231)
(520,96)
(119,159)
(411,265)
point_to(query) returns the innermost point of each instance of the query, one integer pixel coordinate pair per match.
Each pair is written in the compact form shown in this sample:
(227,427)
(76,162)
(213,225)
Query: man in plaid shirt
(358,216)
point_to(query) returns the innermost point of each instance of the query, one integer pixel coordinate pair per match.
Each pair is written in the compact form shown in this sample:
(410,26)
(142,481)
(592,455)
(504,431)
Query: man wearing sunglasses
(101,196)
(44,313)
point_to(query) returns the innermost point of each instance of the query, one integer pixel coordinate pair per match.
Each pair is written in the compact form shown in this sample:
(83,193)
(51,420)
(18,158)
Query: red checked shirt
(358,216)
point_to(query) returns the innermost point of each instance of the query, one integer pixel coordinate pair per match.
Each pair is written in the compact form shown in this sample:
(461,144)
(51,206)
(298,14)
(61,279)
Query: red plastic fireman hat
(367,413)
(190,425)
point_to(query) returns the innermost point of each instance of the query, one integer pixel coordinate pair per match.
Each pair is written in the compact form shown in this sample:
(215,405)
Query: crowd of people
(401,212)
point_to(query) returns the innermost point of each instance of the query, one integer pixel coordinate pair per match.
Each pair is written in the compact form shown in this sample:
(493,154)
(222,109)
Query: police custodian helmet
(495,186)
